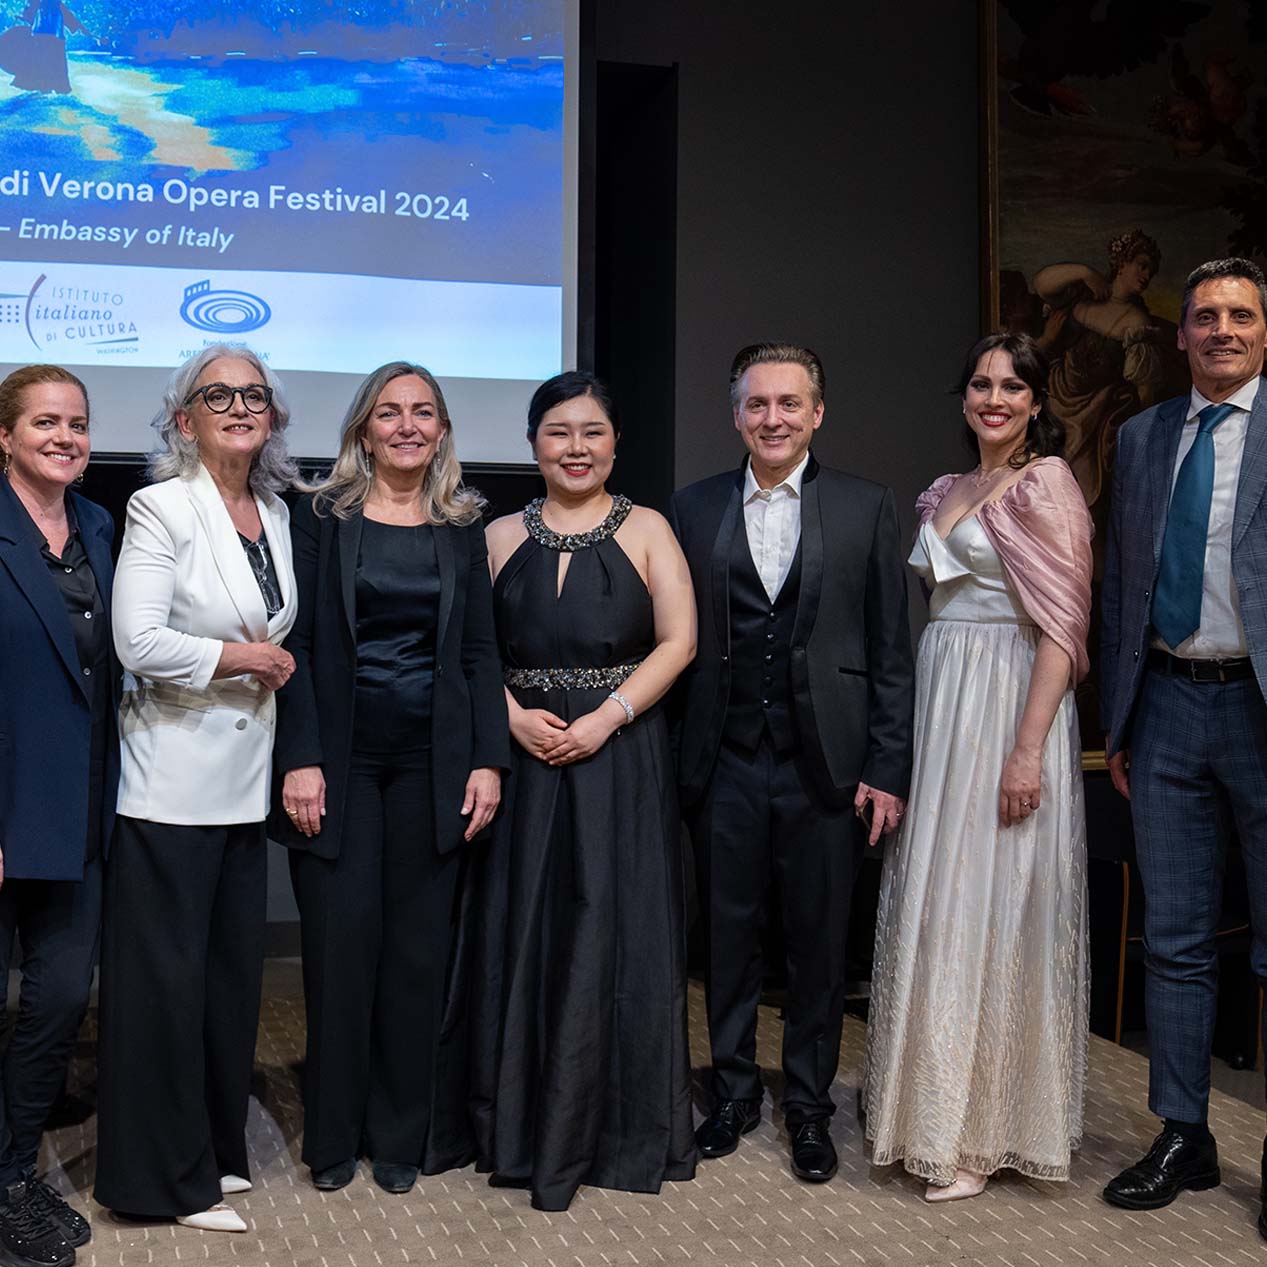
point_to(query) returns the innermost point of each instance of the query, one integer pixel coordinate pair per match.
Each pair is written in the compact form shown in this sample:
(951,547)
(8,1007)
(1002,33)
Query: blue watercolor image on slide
(407,138)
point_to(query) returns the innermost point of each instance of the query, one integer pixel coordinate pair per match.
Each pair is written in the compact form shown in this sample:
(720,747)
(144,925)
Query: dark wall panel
(826,193)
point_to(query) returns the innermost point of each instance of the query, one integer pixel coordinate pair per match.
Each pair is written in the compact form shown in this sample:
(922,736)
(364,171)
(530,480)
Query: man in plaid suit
(1183,678)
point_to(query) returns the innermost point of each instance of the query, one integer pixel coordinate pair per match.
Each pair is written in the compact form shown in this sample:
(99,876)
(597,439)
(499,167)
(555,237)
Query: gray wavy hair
(445,499)
(176,457)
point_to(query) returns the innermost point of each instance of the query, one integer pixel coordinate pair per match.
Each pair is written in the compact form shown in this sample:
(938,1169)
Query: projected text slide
(177,174)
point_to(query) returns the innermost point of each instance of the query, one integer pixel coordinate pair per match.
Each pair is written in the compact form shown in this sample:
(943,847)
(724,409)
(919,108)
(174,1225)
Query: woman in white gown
(976,1046)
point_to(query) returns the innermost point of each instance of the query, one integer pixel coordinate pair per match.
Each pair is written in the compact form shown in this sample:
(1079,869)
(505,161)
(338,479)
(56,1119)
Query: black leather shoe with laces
(1171,1165)
(27,1236)
(718,1134)
(813,1153)
(63,1216)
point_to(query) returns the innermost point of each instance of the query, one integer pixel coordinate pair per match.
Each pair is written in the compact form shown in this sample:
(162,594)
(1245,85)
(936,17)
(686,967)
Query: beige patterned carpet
(746,1210)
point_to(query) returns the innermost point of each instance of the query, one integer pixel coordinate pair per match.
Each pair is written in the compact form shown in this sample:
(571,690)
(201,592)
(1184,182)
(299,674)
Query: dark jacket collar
(811,468)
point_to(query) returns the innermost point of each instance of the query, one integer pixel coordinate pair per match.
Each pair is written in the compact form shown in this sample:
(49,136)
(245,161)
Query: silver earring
(4,470)
(367,461)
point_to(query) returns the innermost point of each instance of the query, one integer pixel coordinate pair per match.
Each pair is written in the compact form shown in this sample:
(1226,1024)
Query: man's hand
(886,810)
(1119,766)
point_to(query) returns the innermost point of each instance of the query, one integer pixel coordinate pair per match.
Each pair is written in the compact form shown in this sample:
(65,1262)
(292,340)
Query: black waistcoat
(760,642)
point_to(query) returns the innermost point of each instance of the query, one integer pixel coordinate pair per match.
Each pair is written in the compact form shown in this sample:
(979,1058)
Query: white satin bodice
(965,575)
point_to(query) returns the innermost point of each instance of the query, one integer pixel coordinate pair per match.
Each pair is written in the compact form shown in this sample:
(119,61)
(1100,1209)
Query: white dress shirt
(1220,634)
(772,518)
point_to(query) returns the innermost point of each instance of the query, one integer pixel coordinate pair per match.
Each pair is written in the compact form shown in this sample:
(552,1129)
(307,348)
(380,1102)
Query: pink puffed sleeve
(1042,530)
(927,502)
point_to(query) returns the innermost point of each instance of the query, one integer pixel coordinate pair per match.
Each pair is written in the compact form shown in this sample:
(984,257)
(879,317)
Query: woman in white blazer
(204,595)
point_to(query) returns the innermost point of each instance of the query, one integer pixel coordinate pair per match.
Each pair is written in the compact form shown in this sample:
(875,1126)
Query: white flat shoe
(967,1184)
(220,1218)
(231,1184)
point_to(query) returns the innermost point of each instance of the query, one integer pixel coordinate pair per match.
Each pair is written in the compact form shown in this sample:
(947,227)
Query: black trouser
(56,922)
(182,954)
(377,930)
(760,826)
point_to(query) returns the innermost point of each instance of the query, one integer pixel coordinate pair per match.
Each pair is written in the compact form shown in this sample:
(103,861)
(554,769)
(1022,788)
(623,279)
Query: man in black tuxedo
(795,735)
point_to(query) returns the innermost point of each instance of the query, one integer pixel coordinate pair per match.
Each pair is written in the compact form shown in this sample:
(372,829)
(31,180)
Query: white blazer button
(240,724)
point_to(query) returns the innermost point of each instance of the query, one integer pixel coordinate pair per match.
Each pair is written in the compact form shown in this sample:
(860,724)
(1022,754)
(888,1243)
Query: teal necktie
(1177,600)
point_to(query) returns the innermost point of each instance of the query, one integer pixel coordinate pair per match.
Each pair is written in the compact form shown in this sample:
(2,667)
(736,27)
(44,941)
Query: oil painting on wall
(1126,143)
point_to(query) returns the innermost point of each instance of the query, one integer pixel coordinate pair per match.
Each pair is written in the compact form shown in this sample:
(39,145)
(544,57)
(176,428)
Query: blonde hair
(445,499)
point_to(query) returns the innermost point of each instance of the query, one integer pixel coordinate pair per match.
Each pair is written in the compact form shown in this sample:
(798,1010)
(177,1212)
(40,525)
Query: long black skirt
(573,949)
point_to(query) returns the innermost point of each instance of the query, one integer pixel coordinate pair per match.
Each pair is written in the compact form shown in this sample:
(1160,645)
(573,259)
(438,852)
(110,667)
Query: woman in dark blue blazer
(59,769)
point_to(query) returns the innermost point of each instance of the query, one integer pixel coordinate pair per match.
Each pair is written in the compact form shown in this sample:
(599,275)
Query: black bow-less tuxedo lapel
(349,534)
(811,557)
(30,573)
(719,565)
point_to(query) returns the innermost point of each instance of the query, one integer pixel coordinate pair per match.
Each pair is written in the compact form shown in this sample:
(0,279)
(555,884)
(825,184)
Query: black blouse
(260,557)
(397,607)
(73,576)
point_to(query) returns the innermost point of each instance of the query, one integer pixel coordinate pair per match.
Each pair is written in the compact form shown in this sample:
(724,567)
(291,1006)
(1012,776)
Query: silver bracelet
(624,703)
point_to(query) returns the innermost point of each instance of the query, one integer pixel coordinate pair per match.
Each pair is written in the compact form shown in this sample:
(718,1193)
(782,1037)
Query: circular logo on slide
(223,311)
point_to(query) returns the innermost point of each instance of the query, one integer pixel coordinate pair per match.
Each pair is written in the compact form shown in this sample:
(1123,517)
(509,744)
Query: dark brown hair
(777,354)
(1045,435)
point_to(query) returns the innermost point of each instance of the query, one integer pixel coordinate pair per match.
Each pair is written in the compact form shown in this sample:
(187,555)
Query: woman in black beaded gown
(580,1069)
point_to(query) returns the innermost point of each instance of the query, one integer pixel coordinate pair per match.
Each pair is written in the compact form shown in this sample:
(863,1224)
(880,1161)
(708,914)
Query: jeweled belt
(571,679)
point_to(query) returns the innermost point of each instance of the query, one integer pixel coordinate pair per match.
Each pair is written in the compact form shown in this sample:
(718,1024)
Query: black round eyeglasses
(218,397)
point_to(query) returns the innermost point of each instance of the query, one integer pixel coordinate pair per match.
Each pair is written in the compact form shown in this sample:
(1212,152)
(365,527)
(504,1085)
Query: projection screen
(334,186)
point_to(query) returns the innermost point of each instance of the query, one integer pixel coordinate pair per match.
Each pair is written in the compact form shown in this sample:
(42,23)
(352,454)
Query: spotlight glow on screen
(398,182)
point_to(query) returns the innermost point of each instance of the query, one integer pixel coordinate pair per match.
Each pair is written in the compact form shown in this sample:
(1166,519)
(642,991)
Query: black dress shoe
(332,1178)
(394,1177)
(813,1153)
(1172,1164)
(718,1134)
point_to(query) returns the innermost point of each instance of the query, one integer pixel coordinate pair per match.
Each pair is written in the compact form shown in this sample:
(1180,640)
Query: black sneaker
(64,1217)
(27,1236)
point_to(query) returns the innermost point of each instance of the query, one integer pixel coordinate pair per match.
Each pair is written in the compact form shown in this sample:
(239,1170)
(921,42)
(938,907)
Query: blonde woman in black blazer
(391,740)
